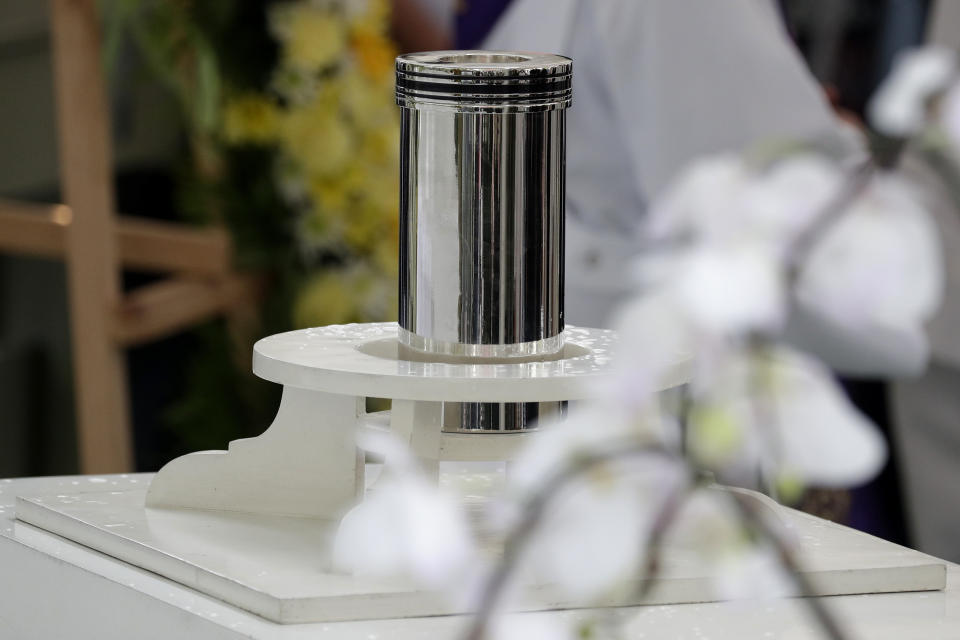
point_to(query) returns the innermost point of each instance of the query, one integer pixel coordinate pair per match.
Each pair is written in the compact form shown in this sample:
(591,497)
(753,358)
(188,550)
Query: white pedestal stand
(307,463)
(250,525)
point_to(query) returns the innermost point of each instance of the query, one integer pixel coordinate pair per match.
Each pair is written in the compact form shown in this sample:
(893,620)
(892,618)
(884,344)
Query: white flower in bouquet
(724,199)
(732,287)
(779,413)
(587,429)
(747,237)
(406,526)
(587,542)
(708,527)
(899,107)
(656,339)
(878,264)
(734,225)
(873,263)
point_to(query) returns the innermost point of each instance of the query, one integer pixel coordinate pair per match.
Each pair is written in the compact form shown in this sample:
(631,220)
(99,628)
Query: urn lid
(484,80)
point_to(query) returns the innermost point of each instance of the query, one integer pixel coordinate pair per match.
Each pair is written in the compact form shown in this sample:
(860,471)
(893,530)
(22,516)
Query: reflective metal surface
(484,81)
(482,211)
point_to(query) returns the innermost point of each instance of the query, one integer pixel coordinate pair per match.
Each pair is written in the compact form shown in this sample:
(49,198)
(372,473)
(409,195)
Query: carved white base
(307,463)
(249,524)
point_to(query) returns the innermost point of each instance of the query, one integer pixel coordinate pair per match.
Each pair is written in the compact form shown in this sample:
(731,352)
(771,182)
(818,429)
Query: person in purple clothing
(475,19)
(431,25)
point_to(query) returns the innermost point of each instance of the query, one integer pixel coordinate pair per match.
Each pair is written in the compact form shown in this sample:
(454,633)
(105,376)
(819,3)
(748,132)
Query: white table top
(52,588)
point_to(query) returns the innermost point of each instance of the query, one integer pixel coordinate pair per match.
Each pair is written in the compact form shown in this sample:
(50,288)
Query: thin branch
(939,160)
(764,408)
(648,572)
(658,533)
(799,251)
(813,602)
(671,506)
(518,539)
(536,508)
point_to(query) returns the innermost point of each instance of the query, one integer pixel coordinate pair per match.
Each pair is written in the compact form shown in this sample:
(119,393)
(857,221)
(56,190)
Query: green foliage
(302,176)
(224,403)
(176,49)
(194,49)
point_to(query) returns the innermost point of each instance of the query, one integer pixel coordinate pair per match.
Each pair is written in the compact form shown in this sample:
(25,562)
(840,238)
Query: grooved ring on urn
(505,81)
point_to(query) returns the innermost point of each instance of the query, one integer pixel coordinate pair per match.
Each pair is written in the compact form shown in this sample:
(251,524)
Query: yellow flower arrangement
(299,161)
(375,54)
(315,37)
(330,194)
(341,295)
(317,138)
(371,16)
(364,100)
(336,131)
(251,119)
(327,298)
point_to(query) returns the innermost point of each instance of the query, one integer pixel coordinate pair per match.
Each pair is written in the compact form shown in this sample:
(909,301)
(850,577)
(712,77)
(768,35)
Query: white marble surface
(51,588)
(278,567)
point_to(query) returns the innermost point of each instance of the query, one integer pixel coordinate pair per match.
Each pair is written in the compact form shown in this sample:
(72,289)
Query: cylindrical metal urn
(482,212)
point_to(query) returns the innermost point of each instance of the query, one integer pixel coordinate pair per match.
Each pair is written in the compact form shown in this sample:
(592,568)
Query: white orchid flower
(787,197)
(899,107)
(721,199)
(588,429)
(878,265)
(699,200)
(591,539)
(406,526)
(654,339)
(732,289)
(729,278)
(783,416)
(709,528)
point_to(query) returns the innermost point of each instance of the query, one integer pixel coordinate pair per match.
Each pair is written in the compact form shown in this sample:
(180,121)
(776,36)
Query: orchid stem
(804,243)
(536,508)
(520,536)
(788,560)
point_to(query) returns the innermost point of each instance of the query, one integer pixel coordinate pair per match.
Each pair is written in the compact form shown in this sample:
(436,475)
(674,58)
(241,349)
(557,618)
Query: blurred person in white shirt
(927,408)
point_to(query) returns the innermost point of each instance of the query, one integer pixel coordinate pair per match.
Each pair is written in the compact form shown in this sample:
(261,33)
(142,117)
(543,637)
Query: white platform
(248,526)
(53,588)
(306,462)
(361,360)
(276,567)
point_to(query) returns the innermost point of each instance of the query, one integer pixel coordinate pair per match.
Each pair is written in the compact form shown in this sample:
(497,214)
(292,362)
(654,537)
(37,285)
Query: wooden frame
(142,244)
(95,244)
